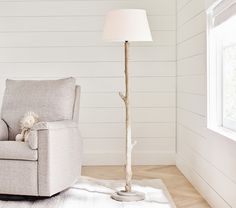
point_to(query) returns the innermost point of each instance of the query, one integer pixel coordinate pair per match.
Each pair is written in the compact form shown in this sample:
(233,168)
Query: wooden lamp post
(126,25)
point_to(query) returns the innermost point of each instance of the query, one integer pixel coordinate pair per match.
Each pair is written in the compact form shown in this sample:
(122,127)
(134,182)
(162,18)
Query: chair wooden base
(8,197)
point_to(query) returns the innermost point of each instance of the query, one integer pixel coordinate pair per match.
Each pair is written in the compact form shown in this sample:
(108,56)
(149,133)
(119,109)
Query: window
(222,68)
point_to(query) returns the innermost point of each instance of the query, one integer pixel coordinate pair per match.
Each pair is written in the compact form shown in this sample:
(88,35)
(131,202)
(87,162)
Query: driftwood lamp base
(123,196)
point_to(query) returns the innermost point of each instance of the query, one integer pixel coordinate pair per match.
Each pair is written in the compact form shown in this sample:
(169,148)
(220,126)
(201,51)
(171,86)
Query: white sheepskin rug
(94,193)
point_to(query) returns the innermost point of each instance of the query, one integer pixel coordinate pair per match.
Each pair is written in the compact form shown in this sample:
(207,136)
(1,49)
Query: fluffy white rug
(93,193)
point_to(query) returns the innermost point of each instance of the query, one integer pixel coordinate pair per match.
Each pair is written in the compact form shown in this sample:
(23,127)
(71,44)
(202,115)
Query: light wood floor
(182,192)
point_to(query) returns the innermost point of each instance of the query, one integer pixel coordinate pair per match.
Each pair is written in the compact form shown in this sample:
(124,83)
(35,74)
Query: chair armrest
(59,155)
(55,125)
(3,130)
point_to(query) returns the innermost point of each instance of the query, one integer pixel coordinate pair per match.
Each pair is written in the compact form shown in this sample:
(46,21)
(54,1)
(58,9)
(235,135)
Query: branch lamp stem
(127,195)
(128,166)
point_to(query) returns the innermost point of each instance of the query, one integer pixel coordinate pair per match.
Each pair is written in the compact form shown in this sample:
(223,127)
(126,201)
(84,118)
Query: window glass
(225,39)
(229,82)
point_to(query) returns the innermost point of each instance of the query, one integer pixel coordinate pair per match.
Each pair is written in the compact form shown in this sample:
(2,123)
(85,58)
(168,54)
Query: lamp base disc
(123,196)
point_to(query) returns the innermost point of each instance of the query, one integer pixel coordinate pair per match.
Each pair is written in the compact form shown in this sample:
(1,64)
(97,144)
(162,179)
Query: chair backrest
(52,100)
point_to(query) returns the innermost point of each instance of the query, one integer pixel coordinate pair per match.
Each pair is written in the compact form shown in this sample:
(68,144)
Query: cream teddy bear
(26,123)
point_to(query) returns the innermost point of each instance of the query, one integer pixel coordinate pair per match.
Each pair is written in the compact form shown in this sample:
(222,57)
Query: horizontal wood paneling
(192,84)
(217,180)
(85,54)
(102,115)
(118,145)
(200,184)
(56,38)
(181,4)
(193,46)
(192,28)
(137,100)
(73,39)
(194,65)
(73,23)
(88,69)
(206,158)
(196,124)
(138,158)
(116,84)
(189,11)
(82,8)
(193,103)
(139,130)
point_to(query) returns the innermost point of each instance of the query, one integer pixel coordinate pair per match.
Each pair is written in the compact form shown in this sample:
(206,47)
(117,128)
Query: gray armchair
(51,160)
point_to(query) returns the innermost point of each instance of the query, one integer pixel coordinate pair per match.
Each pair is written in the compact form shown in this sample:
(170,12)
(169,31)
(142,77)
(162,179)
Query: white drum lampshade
(127,25)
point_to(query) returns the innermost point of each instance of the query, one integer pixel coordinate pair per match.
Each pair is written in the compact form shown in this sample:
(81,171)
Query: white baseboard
(213,198)
(141,158)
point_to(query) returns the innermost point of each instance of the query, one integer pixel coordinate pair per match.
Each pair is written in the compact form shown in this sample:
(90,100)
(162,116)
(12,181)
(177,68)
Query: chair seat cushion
(12,150)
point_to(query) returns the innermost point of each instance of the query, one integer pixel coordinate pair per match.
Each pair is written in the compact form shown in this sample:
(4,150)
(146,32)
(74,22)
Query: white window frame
(215,119)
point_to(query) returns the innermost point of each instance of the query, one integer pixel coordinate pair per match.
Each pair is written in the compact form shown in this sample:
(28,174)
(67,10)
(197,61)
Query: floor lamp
(127,25)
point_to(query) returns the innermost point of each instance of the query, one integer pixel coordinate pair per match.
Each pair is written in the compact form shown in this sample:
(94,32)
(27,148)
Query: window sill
(230,134)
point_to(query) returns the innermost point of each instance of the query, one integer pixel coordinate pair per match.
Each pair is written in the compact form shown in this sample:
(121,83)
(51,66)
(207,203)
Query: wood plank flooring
(182,192)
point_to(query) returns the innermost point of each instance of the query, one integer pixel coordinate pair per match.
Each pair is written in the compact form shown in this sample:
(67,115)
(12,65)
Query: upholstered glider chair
(51,160)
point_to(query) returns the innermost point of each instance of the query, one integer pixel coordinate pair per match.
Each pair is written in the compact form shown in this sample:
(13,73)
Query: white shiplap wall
(207,159)
(50,39)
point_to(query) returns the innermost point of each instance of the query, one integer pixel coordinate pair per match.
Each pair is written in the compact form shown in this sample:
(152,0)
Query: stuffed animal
(26,123)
